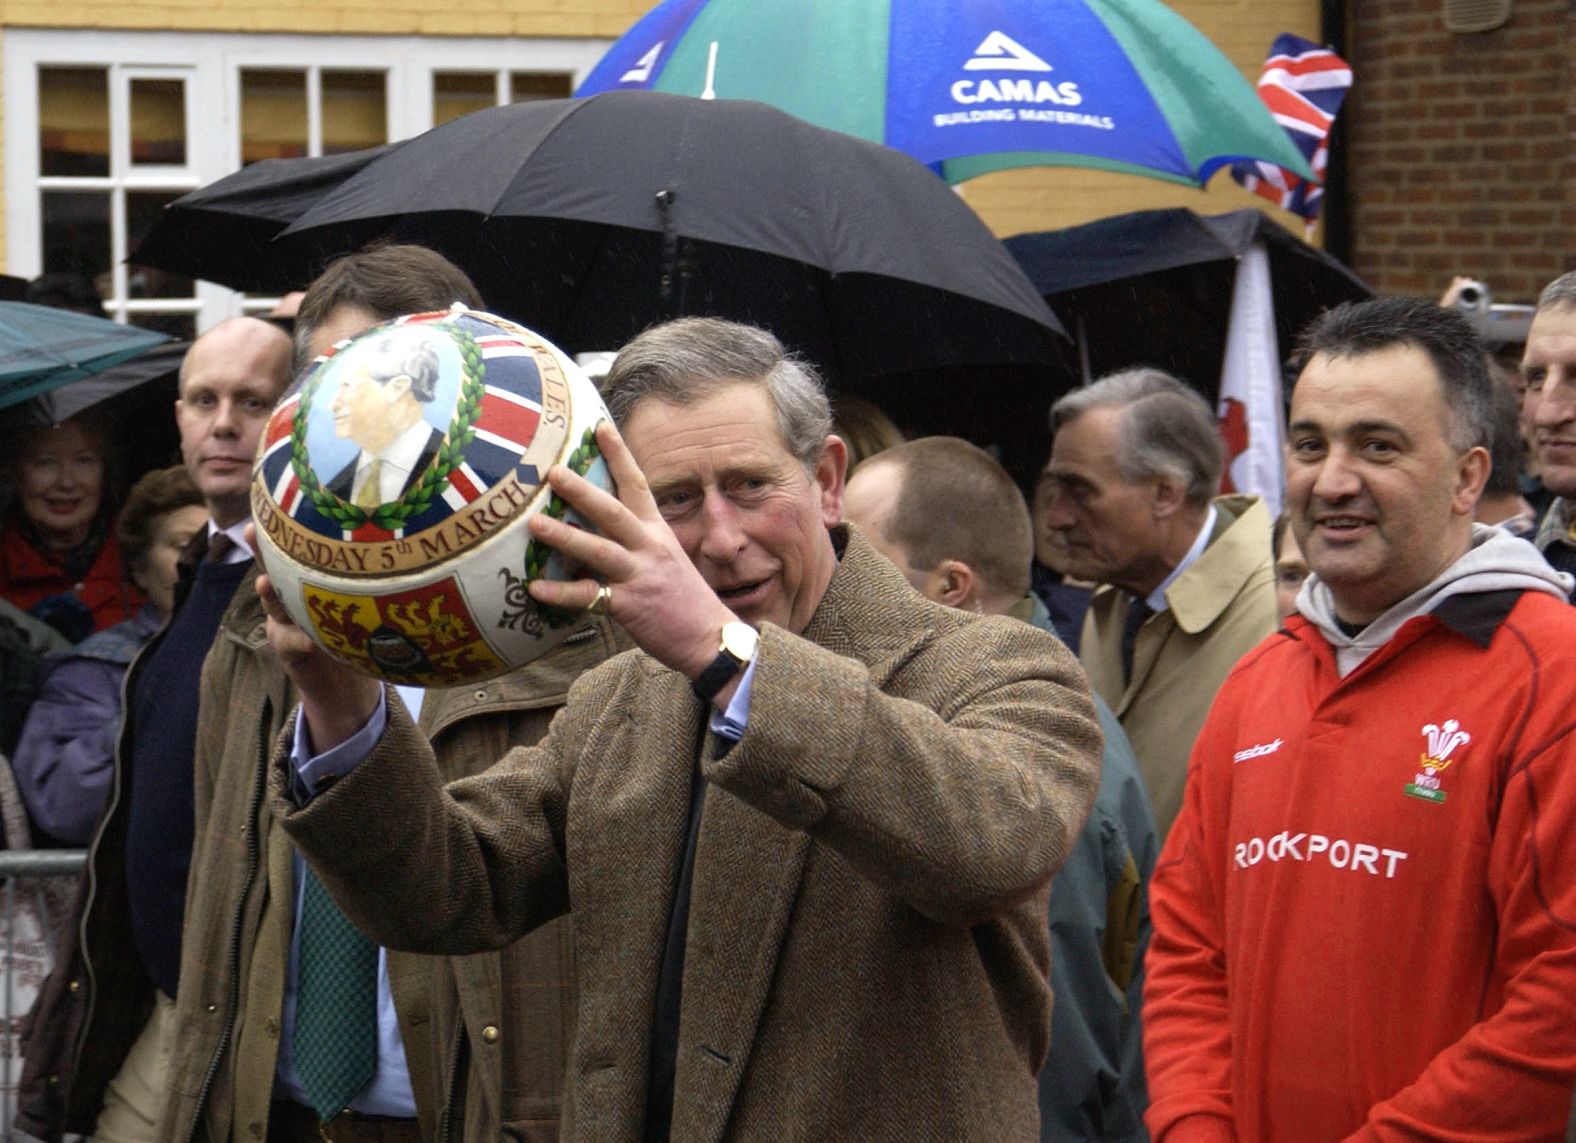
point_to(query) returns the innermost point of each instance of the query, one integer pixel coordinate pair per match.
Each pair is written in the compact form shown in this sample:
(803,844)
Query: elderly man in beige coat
(1186,581)
(805,832)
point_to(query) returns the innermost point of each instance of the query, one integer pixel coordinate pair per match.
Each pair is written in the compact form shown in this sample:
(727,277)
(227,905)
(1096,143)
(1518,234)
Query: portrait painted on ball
(381,411)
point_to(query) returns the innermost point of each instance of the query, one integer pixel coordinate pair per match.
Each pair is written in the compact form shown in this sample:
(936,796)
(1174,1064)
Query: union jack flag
(1303,86)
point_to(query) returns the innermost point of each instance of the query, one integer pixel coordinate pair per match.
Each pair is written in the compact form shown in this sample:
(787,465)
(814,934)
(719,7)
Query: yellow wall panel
(504,17)
(2,169)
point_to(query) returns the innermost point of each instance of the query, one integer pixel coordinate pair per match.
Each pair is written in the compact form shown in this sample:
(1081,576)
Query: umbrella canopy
(135,398)
(589,219)
(43,349)
(224,231)
(1155,287)
(156,367)
(972,85)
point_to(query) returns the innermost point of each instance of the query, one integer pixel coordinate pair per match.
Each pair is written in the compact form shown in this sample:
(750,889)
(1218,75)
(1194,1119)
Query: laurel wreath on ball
(537,554)
(418,498)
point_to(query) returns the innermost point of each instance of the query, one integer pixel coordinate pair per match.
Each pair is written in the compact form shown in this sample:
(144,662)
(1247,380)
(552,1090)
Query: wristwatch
(735,653)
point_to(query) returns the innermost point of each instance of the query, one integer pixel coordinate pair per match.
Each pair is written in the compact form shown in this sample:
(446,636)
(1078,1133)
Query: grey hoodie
(1496,561)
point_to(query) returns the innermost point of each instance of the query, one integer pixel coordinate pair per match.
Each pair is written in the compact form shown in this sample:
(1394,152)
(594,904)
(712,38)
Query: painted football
(393,486)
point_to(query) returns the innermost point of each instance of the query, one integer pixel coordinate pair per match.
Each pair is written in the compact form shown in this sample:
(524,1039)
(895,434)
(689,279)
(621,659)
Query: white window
(102,129)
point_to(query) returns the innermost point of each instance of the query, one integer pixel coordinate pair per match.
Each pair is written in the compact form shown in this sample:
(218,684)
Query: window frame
(210,64)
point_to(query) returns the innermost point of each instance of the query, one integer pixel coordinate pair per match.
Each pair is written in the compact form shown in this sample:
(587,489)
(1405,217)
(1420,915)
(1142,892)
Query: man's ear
(831,472)
(952,582)
(396,387)
(1472,472)
(1168,495)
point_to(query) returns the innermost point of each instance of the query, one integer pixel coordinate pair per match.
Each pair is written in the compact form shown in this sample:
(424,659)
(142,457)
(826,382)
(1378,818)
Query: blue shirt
(389,1091)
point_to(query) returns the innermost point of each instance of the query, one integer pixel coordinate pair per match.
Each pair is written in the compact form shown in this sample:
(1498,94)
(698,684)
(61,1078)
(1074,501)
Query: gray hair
(1558,293)
(685,361)
(1167,429)
(394,356)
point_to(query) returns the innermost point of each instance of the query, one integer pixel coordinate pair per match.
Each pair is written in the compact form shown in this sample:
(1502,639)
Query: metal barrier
(24,954)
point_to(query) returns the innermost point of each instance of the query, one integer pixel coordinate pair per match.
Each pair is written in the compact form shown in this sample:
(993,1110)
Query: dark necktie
(219,548)
(336,1019)
(1137,612)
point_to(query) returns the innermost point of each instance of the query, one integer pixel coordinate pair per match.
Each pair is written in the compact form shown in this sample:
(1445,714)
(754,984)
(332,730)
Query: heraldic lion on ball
(393,486)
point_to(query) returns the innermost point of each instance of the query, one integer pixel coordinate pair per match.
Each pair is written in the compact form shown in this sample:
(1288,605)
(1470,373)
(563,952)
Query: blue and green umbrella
(969,86)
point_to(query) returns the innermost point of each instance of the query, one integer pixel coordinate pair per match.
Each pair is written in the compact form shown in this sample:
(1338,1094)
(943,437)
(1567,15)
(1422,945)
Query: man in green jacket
(496,1046)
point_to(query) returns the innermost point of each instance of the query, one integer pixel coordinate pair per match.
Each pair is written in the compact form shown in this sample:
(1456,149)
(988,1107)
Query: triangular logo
(641,72)
(1000,52)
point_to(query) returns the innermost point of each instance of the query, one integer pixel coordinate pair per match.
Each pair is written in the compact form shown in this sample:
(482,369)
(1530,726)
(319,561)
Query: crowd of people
(867,800)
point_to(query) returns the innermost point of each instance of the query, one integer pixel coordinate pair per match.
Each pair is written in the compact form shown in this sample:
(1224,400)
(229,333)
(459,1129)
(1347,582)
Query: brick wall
(1461,152)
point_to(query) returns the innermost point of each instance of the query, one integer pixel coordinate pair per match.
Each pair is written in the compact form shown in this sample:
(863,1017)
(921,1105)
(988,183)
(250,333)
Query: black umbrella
(224,231)
(1154,287)
(589,219)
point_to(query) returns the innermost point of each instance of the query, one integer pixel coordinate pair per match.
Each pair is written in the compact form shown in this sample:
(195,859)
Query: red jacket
(1365,917)
(28,576)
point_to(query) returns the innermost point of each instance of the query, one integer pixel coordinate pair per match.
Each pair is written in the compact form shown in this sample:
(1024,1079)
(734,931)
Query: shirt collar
(1157,598)
(242,550)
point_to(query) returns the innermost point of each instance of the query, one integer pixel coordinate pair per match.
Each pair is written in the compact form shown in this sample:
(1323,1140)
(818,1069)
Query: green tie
(336,1018)
(369,496)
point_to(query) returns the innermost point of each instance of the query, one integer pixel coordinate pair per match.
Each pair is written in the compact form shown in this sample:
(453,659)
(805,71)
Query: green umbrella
(43,349)
(970,86)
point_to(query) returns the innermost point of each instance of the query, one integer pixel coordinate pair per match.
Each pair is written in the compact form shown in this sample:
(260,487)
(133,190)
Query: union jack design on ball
(393,486)
(497,434)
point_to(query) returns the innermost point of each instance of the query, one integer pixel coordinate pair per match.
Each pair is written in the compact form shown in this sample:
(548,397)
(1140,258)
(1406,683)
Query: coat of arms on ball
(393,485)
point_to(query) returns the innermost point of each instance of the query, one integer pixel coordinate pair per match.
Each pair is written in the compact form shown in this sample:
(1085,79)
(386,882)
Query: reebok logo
(1258,751)
(1000,52)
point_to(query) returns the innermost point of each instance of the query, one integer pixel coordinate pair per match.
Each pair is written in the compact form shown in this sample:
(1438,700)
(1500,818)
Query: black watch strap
(718,674)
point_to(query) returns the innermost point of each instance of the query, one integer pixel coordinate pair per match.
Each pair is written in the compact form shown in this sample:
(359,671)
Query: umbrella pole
(1083,352)
(667,290)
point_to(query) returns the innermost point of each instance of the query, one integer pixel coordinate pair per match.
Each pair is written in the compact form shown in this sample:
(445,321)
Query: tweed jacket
(503,1022)
(1219,609)
(867,951)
